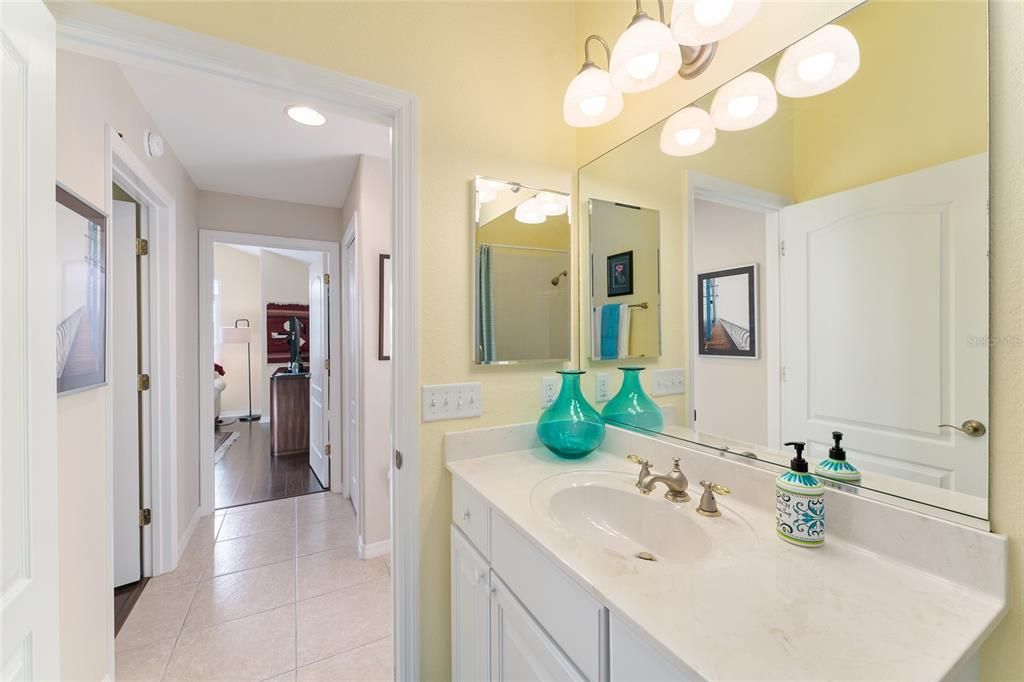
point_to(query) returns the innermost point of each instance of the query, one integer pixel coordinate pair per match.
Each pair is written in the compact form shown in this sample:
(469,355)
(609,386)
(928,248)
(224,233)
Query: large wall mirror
(823,250)
(522,243)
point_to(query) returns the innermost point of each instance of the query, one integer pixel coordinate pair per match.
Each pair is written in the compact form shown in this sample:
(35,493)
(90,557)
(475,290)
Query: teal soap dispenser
(835,466)
(800,503)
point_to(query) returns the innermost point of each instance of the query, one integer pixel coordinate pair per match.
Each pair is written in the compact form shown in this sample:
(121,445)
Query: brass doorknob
(971,427)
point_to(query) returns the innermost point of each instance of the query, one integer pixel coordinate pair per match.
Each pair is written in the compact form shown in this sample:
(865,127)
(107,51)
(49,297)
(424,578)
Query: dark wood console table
(289,413)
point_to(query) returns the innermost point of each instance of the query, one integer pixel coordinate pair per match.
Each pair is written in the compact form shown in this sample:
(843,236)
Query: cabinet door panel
(471,604)
(632,658)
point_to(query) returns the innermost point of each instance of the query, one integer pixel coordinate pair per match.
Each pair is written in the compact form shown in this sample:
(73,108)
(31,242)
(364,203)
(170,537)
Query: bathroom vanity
(553,577)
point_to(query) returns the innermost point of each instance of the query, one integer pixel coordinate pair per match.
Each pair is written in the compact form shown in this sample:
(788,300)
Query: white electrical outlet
(452,401)
(604,387)
(548,390)
(668,381)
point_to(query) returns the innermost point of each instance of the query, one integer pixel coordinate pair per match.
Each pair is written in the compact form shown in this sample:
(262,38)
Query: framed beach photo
(620,274)
(727,312)
(81,294)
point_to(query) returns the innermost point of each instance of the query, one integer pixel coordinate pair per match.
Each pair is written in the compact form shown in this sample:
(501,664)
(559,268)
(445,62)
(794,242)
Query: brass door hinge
(142,382)
(327,364)
(327,278)
(141,246)
(327,450)
(145,517)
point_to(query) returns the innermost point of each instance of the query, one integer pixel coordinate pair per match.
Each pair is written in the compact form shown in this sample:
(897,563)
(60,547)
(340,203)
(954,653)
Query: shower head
(554,280)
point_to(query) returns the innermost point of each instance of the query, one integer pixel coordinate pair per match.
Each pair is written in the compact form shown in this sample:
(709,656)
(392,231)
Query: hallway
(268,591)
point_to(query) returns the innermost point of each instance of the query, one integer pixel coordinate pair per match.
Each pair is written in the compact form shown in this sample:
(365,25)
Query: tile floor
(269,591)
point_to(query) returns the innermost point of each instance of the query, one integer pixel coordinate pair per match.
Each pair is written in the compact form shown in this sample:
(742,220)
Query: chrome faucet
(674,480)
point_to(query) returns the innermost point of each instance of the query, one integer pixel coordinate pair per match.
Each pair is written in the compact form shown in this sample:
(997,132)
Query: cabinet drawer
(470,513)
(564,609)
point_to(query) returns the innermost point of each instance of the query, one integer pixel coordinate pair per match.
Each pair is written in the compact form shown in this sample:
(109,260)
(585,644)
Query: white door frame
(728,193)
(103,32)
(351,327)
(207,238)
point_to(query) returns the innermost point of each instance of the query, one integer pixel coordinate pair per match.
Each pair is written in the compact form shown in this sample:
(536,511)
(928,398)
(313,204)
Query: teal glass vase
(631,406)
(570,427)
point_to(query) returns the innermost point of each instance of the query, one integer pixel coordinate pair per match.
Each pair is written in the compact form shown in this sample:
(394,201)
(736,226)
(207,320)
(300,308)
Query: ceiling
(236,138)
(308,257)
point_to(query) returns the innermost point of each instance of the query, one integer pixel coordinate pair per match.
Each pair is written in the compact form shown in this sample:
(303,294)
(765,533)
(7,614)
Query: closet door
(471,608)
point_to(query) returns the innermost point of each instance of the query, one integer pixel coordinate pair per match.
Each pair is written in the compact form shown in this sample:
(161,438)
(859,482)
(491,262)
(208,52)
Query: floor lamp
(238,334)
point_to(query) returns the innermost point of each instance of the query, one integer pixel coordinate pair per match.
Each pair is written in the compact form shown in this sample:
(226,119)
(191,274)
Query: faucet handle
(708,505)
(637,459)
(716,487)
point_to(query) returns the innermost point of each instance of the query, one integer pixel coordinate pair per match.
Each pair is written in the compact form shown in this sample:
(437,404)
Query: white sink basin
(606,509)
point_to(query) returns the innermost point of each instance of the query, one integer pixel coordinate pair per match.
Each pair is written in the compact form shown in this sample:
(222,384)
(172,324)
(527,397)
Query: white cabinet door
(471,607)
(633,658)
(520,650)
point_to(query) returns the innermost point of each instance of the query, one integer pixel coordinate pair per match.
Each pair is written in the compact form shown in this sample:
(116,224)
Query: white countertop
(756,608)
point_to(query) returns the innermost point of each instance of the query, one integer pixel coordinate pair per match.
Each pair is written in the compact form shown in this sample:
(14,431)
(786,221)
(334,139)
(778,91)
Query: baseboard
(187,535)
(234,414)
(374,549)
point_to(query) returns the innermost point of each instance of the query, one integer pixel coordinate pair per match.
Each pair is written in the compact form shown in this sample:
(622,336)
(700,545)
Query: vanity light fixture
(552,204)
(591,99)
(820,62)
(531,212)
(645,55)
(487,190)
(745,102)
(307,116)
(700,22)
(687,132)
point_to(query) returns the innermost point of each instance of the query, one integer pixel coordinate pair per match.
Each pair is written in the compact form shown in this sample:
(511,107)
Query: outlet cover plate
(668,381)
(452,401)
(549,390)
(604,387)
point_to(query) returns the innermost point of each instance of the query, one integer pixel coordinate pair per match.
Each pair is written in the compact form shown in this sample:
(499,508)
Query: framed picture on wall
(81,294)
(727,312)
(384,309)
(620,274)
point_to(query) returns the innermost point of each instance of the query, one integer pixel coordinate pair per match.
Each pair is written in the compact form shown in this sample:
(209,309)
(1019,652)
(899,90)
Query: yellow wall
(553,233)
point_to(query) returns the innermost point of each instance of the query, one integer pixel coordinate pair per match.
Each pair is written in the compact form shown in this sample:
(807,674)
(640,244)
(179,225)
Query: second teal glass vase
(570,427)
(631,406)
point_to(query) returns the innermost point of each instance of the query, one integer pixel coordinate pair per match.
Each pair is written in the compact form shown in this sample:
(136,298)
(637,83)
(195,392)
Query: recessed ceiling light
(307,116)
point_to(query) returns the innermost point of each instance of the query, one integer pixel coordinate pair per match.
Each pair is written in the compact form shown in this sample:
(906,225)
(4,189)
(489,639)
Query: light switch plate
(548,390)
(668,381)
(604,387)
(452,401)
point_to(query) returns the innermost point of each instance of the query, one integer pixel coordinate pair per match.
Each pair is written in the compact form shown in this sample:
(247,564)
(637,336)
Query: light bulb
(552,204)
(812,69)
(591,99)
(687,136)
(487,190)
(594,105)
(710,13)
(642,65)
(530,212)
(742,107)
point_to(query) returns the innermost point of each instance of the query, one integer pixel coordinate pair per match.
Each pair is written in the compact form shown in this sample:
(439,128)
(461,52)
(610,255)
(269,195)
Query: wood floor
(249,473)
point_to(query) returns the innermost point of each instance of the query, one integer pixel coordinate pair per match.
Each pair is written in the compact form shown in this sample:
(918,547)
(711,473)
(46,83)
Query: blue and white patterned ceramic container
(800,509)
(838,470)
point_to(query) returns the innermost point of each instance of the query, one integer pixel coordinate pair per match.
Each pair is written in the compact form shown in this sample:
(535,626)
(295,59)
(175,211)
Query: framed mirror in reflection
(855,202)
(522,243)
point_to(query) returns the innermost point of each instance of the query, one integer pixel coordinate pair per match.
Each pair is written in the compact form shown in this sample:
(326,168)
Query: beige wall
(237,274)
(235,213)
(92,94)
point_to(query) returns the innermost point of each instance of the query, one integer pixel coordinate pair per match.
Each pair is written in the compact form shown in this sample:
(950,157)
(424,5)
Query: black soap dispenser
(835,466)
(800,503)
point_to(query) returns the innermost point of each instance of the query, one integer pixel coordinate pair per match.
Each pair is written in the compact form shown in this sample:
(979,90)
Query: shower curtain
(485,304)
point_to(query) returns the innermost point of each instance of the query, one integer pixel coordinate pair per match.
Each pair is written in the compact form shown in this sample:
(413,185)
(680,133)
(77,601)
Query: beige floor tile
(285,503)
(192,565)
(244,593)
(323,506)
(370,662)
(283,677)
(335,570)
(387,562)
(142,663)
(334,533)
(256,520)
(157,615)
(339,621)
(252,551)
(251,648)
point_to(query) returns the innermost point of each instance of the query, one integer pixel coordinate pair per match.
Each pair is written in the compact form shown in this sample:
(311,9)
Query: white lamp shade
(687,132)
(235,334)
(744,102)
(590,99)
(645,56)
(487,190)
(820,62)
(699,22)
(553,204)
(531,212)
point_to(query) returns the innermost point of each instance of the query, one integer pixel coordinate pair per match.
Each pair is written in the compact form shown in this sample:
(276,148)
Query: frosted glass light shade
(744,102)
(552,204)
(699,22)
(487,190)
(687,132)
(235,334)
(531,212)
(645,56)
(590,99)
(820,62)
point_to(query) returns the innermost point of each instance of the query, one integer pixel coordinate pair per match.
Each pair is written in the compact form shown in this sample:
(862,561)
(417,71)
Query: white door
(885,318)
(471,612)
(319,461)
(28,403)
(351,349)
(124,370)
(520,649)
